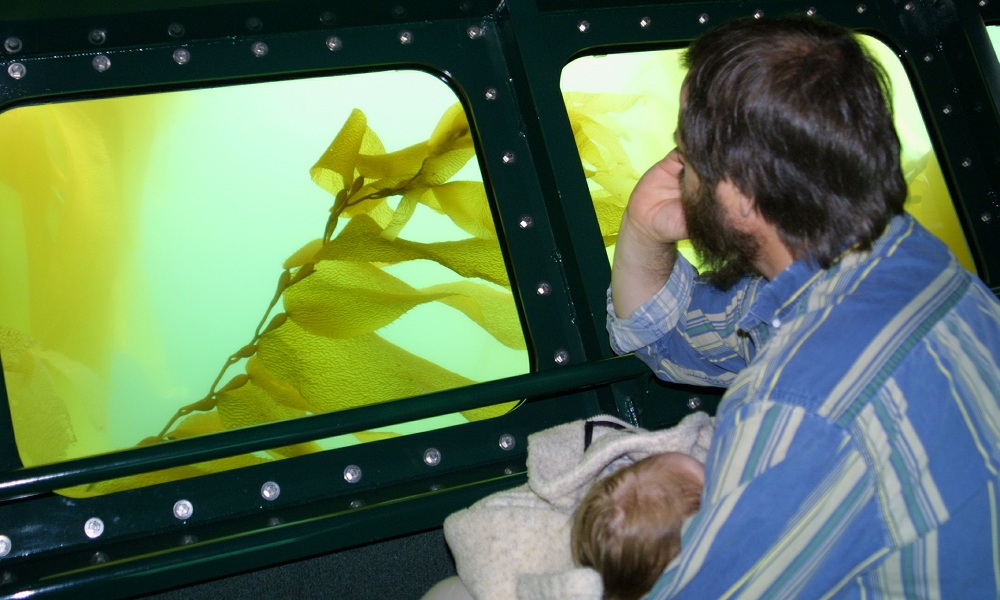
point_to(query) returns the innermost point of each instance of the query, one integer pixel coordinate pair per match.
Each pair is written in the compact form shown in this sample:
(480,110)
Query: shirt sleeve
(688,332)
(788,511)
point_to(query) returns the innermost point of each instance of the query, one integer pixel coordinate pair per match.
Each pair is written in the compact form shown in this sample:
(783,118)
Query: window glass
(623,109)
(994,31)
(191,262)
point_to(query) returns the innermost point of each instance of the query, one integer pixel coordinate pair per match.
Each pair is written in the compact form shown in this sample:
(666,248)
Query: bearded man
(857,446)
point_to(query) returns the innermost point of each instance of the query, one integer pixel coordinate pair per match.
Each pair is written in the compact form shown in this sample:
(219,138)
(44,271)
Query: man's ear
(747,204)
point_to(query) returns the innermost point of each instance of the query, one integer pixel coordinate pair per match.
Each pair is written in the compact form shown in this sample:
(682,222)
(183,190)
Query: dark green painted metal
(522,49)
(573,378)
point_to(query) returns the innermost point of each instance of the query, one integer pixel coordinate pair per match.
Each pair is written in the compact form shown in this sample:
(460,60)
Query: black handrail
(29,481)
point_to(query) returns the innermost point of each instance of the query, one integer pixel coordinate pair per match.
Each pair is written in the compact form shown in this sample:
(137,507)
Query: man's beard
(727,253)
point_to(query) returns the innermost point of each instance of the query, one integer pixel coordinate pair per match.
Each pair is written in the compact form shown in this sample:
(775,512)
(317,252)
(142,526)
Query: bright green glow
(646,129)
(994,31)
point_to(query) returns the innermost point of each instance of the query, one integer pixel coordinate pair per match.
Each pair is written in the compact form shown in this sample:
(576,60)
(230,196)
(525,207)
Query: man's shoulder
(859,318)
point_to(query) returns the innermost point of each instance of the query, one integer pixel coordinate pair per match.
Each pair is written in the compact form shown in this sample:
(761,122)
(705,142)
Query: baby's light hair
(628,526)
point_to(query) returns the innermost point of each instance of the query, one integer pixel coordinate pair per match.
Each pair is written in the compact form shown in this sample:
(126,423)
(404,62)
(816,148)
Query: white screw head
(12,45)
(645,22)
(507,442)
(694,403)
(183,509)
(405,37)
(5,545)
(703,18)
(93,528)
(352,474)
(101,63)
(259,49)
(270,491)
(432,457)
(583,26)
(474,32)
(561,356)
(17,70)
(526,222)
(182,56)
(508,158)
(334,43)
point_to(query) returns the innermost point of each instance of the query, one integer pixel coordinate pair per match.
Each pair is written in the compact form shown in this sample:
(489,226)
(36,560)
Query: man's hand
(652,224)
(655,213)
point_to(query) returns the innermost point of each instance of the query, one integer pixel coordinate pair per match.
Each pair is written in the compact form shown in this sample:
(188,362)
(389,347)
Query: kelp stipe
(317,347)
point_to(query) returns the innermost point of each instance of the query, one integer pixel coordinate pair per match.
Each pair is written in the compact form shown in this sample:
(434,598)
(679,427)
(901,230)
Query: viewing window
(623,110)
(191,262)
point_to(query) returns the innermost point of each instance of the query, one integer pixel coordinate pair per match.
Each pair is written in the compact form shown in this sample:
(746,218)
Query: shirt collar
(777,297)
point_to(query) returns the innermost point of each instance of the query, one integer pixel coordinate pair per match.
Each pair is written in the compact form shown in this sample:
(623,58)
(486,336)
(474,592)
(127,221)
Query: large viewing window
(623,108)
(184,263)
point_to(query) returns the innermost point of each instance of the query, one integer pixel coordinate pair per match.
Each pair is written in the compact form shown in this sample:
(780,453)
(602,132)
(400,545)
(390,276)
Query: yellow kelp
(62,310)
(316,348)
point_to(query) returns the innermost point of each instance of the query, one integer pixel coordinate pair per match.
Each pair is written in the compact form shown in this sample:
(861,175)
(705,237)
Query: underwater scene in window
(633,99)
(185,263)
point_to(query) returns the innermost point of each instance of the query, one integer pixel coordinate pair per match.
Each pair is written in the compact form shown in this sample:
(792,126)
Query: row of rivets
(93,528)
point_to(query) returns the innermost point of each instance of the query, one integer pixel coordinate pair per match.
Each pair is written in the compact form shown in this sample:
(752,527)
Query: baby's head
(628,526)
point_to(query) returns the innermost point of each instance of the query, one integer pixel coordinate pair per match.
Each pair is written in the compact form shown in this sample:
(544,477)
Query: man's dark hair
(797,115)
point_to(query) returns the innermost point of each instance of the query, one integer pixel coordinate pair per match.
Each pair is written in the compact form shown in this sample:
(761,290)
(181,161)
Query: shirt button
(776,323)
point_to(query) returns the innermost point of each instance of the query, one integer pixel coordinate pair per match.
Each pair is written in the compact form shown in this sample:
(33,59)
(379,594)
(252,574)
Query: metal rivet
(259,49)
(491,93)
(183,509)
(526,222)
(811,11)
(583,26)
(928,57)
(101,63)
(356,503)
(17,70)
(507,442)
(544,288)
(94,527)
(947,109)
(405,37)
(352,474)
(694,403)
(5,545)
(758,14)
(334,43)
(508,158)
(254,24)
(97,37)
(175,30)
(12,45)
(474,32)
(561,356)
(966,162)
(270,491)
(645,22)
(327,17)
(432,457)
(182,56)
(862,8)
(986,217)
(703,18)
(508,471)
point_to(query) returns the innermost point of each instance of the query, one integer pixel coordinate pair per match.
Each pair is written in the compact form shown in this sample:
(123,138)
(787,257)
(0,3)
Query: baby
(628,526)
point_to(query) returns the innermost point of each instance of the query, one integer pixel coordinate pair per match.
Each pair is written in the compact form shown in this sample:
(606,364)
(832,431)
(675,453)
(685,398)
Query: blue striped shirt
(857,445)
